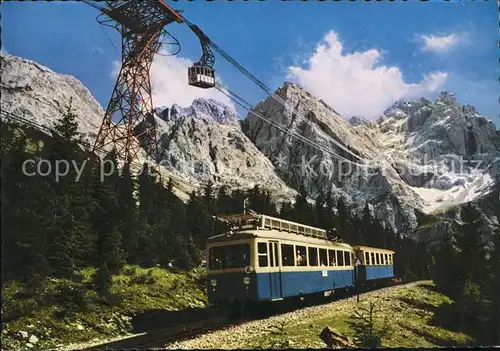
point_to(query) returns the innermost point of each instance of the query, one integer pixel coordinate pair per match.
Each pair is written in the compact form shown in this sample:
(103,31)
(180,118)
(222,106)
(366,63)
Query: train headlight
(246,280)
(213,282)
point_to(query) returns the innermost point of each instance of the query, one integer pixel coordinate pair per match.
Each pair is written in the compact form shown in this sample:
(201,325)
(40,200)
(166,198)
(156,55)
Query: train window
(340,258)
(347,258)
(391,259)
(313,256)
(384,256)
(372,258)
(287,255)
(331,255)
(262,251)
(367,258)
(301,254)
(377,258)
(230,256)
(323,259)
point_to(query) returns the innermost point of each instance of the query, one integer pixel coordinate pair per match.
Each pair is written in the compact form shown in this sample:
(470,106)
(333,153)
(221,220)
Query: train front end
(230,275)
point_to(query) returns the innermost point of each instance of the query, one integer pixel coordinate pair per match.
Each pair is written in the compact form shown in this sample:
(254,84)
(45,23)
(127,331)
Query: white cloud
(440,44)
(355,84)
(169,83)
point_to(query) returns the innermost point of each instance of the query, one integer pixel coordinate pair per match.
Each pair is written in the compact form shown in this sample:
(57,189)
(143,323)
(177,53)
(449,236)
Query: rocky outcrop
(32,91)
(330,156)
(205,142)
(418,155)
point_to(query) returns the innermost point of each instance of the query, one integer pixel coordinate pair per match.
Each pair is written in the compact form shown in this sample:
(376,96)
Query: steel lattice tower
(128,122)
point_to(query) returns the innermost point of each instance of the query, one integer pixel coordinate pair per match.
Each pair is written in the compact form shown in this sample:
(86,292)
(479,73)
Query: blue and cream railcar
(374,263)
(275,259)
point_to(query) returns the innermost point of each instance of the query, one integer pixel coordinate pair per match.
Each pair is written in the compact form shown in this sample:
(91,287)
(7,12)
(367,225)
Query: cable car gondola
(201,76)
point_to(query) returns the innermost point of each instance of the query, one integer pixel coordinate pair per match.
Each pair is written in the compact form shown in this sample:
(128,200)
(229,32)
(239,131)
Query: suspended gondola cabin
(201,76)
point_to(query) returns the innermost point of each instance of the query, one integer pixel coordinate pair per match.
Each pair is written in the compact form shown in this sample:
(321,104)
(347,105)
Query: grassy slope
(65,312)
(417,316)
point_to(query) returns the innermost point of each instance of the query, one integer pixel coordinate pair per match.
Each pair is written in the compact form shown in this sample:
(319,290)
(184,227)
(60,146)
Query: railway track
(157,338)
(161,337)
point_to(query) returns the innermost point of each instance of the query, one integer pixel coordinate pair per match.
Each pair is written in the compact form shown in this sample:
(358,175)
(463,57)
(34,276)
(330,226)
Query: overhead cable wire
(248,107)
(267,89)
(43,128)
(288,132)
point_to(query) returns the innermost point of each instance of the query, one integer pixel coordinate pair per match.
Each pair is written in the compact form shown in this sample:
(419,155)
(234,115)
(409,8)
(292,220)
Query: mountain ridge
(407,147)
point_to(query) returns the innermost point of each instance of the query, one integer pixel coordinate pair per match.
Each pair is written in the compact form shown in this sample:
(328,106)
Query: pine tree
(447,269)
(67,227)
(320,214)
(130,225)
(24,211)
(224,203)
(493,288)
(472,254)
(107,219)
(286,211)
(67,126)
(146,214)
(365,236)
(303,210)
(343,219)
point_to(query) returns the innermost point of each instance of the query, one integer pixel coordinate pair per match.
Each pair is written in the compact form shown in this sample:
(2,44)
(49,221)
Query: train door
(274,272)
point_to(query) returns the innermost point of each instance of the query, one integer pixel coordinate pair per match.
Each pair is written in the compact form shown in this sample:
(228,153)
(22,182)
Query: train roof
(249,220)
(374,249)
(277,235)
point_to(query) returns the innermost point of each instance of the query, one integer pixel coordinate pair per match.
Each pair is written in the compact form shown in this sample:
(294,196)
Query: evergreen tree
(447,270)
(343,221)
(320,212)
(130,225)
(303,210)
(147,215)
(68,227)
(492,289)
(24,212)
(286,212)
(472,253)
(224,203)
(260,201)
(107,218)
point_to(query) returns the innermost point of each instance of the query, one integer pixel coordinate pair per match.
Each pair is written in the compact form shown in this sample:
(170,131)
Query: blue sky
(358,57)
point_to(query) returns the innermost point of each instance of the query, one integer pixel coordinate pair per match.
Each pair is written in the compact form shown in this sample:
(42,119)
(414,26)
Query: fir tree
(130,225)
(447,270)
(303,210)
(106,219)
(67,227)
(24,212)
(472,254)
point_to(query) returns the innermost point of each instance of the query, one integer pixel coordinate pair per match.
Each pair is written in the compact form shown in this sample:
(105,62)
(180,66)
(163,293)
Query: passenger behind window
(333,262)
(299,259)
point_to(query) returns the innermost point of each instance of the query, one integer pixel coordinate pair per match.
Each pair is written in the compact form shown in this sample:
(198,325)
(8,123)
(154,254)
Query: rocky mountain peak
(359,120)
(208,110)
(37,93)
(447,98)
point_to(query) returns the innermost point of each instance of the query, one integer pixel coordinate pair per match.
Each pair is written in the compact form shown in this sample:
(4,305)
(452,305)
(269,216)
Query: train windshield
(231,256)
